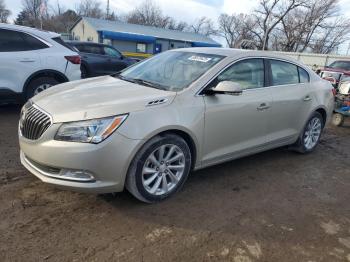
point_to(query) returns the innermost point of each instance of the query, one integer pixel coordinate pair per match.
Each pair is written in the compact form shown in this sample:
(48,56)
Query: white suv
(33,60)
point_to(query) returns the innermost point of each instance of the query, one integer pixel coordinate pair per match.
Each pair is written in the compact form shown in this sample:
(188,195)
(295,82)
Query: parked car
(33,60)
(100,59)
(336,72)
(185,109)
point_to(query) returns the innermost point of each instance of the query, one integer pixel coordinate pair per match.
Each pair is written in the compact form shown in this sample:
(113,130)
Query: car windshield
(345,65)
(173,70)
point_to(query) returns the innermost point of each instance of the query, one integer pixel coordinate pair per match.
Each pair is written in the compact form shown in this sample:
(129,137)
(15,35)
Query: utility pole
(107,10)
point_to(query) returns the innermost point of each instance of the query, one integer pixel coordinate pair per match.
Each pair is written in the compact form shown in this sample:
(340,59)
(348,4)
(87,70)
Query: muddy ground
(274,206)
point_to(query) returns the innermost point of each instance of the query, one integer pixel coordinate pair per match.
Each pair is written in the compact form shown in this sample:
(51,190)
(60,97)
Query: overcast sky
(186,10)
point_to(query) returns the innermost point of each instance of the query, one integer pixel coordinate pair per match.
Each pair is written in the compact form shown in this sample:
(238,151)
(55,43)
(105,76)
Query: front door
(236,125)
(115,60)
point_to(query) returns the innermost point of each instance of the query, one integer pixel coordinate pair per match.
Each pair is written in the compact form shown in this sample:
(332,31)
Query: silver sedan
(147,127)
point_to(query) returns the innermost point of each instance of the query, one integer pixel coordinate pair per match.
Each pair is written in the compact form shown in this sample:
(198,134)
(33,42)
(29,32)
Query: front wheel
(159,169)
(310,135)
(39,85)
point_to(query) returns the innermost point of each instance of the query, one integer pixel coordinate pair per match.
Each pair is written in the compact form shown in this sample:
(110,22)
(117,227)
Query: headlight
(89,131)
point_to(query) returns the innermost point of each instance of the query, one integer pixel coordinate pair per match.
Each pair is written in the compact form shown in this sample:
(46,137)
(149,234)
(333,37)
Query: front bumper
(108,161)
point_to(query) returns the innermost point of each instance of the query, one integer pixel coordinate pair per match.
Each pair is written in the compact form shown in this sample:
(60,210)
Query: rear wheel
(159,169)
(338,119)
(84,72)
(310,135)
(39,84)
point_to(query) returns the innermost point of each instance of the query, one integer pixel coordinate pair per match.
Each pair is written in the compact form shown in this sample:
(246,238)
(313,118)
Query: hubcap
(163,169)
(41,88)
(312,133)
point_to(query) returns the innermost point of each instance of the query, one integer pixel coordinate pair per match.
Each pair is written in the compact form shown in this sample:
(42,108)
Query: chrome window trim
(254,57)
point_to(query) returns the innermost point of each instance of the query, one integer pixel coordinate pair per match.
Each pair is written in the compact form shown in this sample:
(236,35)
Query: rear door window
(284,73)
(111,52)
(303,75)
(93,49)
(60,41)
(12,41)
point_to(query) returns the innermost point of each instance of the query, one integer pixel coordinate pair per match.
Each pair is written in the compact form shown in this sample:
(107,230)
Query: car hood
(98,97)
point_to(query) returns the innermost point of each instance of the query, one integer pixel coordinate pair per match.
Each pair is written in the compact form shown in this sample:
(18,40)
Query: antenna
(107,9)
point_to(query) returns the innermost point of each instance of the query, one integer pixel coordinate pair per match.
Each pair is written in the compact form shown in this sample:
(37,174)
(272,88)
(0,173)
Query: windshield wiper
(124,78)
(142,82)
(150,84)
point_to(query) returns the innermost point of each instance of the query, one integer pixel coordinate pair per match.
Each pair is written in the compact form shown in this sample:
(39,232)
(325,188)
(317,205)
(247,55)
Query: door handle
(307,98)
(263,106)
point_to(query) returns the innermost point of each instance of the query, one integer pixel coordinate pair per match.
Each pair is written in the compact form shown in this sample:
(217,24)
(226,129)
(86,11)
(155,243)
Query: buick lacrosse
(147,127)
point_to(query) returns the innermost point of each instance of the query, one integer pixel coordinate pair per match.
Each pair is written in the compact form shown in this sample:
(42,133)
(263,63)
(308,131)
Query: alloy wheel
(163,169)
(312,133)
(41,88)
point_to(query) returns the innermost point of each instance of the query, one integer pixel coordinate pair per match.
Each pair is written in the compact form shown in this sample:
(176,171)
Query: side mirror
(228,87)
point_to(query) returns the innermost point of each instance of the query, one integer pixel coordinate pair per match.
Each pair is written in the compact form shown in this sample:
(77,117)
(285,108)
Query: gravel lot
(274,206)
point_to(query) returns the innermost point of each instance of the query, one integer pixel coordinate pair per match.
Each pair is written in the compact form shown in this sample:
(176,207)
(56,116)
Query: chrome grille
(34,122)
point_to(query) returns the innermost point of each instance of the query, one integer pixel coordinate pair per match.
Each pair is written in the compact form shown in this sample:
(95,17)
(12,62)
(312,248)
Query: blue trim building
(136,39)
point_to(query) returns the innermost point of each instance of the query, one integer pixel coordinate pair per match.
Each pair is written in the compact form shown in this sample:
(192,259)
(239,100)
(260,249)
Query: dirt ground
(274,206)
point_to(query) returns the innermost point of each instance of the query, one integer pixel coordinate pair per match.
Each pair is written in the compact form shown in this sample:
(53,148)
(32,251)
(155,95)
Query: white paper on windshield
(202,59)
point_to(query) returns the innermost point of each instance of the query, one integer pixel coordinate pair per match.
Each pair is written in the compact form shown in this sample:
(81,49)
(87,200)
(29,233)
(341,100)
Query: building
(136,40)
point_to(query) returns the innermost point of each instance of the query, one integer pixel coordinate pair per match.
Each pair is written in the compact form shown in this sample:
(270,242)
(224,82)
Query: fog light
(77,175)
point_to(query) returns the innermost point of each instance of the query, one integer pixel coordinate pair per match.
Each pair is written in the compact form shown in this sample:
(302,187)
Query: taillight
(334,91)
(74,59)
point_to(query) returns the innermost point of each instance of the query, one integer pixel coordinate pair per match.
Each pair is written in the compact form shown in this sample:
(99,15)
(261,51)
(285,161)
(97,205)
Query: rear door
(19,58)
(115,61)
(292,100)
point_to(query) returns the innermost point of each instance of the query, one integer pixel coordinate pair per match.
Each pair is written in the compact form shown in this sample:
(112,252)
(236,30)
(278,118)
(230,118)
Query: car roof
(238,53)
(72,42)
(30,30)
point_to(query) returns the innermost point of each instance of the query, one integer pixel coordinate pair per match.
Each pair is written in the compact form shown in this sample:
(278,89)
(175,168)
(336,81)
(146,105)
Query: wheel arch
(189,140)
(60,77)
(323,113)
(185,134)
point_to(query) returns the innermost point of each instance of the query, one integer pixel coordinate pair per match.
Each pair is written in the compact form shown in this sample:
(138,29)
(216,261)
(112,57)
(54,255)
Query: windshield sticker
(200,59)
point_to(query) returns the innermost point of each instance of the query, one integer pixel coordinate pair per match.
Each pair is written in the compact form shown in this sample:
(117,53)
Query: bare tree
(332,35)
(269,14)
(34,11)
(4,12)
(35,8)
(89,8)
(236,29)
(149,13)
(204,26)
(302,25)
(61,22)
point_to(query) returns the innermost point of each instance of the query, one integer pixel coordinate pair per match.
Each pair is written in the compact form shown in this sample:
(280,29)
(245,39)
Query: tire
(304,145)
(152,183)
(84,72)
(38,85)
(338,119)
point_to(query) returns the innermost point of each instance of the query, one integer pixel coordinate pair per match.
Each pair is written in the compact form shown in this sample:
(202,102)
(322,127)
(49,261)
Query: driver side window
(248,73)
(111,52)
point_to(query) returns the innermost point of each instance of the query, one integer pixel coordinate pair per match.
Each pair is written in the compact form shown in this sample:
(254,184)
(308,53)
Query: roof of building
(117,26)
